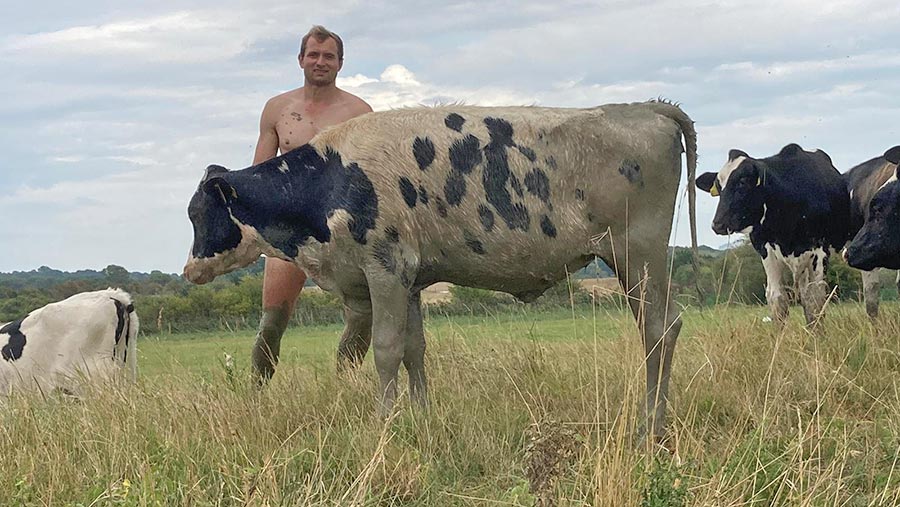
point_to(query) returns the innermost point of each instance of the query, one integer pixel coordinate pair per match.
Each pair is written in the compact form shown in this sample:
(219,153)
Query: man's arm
(267,144)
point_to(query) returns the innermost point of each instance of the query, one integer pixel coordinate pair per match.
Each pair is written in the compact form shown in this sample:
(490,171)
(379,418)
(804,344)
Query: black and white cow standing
(877,195)
(88,336)
(796,210)
(510,199)
(864,181)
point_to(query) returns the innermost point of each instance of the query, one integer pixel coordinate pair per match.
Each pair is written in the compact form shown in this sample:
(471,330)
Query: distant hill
(45,277)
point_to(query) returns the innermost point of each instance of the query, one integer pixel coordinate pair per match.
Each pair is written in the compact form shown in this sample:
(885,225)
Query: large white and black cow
(876,201)
(88,336)
(510,199)
(795,207)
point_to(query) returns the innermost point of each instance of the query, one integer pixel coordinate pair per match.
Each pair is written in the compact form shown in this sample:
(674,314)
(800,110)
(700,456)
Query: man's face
(320,62)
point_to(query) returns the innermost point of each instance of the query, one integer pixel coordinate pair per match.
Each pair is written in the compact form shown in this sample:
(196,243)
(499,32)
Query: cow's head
(877,244)
(220,244)
(739,186)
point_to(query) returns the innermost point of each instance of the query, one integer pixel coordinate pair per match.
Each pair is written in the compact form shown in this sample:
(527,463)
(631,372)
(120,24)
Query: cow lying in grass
(89,336)
(509,199)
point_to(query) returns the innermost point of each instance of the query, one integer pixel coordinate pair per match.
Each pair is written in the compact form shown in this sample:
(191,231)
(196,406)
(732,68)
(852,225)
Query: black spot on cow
(547,226)
(465,154)
(423,195)
(441,207)
(423,150)
(455,188)
(410,196)
(528,152)
(538,184)
(473,243)
(14,347)
(353,192)
(392,234)
(516,185)
(551,162)
(383,253)
(120,319)
(487,218)
(314,188)
(386,255)
(454,121)
(632,171)
(579,194)
(496,174)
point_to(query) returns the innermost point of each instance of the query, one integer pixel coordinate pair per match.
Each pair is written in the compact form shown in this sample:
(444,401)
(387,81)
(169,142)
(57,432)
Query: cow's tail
(672,111)
(127,324)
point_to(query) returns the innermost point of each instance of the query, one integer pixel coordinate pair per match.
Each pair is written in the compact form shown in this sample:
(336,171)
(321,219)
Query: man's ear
(217,186)
(706,182)
(893,155)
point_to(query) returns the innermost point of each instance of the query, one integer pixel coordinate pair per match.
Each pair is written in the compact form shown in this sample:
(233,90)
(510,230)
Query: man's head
(739,183)
(321,56)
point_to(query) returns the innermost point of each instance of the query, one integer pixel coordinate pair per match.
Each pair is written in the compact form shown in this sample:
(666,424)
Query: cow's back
(509,198)
(807,205)
(862,182)
(88,335)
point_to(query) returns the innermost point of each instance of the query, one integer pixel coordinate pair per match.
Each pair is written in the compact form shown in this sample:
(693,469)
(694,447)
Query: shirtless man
(288,121)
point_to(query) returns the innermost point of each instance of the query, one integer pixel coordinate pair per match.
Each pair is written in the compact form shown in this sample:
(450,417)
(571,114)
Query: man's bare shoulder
(283,99)
(355,105)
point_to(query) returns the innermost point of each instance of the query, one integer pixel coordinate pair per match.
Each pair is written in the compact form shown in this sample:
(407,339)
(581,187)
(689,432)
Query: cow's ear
(706,182)
(893,155)
(217,186)
(213,170)
(733,154)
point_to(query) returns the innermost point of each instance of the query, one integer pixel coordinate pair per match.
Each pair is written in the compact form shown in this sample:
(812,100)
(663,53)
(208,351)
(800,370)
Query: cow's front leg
(775,296)
(390,314)
(357,334)
(414,355)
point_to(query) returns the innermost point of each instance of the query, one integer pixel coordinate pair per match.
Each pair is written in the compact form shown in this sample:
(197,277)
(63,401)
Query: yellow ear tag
(714,191)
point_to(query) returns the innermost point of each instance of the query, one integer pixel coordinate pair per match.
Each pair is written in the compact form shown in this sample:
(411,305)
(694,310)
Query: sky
(111,110)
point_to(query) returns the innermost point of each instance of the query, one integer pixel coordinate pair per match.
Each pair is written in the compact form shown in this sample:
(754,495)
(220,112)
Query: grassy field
(527,409)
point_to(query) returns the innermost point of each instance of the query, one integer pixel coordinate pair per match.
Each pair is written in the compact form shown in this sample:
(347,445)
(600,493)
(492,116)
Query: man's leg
(282,283)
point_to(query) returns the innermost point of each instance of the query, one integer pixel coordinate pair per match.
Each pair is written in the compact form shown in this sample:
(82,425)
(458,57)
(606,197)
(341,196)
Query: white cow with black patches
(91,336)
(795,208)
(509,199)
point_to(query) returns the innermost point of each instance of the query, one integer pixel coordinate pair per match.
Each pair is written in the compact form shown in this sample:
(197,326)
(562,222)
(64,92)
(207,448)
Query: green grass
(526,409)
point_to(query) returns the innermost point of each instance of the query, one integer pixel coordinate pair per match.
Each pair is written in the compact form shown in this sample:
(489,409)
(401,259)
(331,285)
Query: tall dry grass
(518,416)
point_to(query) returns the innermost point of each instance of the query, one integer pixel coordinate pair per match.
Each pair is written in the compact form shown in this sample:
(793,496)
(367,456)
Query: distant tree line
(166,303)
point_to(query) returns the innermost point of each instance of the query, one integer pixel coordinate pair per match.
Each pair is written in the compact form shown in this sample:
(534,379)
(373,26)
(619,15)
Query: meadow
(526,409)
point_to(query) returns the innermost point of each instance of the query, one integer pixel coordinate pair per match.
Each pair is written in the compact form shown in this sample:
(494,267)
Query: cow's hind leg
(414,355)
(357,334)
(645,282)
(813,287)
(871,289)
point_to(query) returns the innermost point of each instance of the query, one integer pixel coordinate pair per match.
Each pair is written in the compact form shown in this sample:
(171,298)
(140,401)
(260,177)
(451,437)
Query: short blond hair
(321,34)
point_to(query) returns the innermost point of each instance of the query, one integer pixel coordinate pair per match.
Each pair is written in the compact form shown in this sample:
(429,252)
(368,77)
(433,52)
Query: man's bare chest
(297,125)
